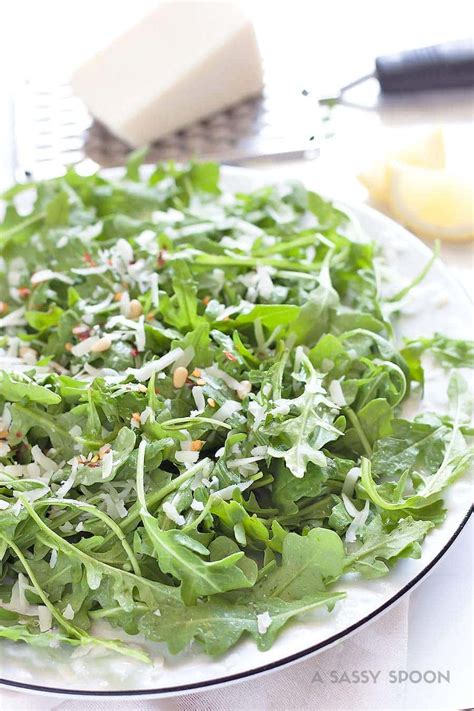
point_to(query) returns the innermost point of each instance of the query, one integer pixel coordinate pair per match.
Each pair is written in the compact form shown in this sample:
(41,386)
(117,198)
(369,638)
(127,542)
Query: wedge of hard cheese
(182,62)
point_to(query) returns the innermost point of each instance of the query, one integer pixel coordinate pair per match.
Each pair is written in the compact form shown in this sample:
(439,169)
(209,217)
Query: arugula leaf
(301,437)
(450,352)
(380,546)
(457,458)
(40,321)
(197,576)
(16,387)
(190,406)
(182,309)
(217,626)
(307,562)
(314,318)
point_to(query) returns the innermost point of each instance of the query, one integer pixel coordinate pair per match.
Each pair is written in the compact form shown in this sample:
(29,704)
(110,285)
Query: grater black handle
(441,66)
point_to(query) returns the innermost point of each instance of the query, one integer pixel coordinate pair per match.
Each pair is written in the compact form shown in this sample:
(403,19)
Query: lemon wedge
(432,203)
(427,152)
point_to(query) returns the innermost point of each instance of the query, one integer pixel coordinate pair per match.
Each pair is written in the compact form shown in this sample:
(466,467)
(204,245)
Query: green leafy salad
(201,427)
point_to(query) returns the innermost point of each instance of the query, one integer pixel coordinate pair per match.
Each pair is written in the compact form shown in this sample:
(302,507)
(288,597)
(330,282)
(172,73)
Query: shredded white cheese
(155,366)
(337,396)
(198,395)
(46,275)
(350,481)
(68,612)
(186,457)
(125,304)
(226,493)
(54,558)
(45,618)
(47,464)
(107,464)
(85,346)
(359,520)
(146,415)
(258,413)
(172,513)
(69,483)
(14,318)
(349,506)
(140,336)
(155,294)
(263,622)
(197,505)
(227,410)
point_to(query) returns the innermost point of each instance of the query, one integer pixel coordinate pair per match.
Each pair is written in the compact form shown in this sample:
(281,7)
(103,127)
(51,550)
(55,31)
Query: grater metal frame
(53,129)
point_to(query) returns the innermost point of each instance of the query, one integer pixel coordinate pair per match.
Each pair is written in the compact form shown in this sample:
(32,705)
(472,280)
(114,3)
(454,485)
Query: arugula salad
(201,424)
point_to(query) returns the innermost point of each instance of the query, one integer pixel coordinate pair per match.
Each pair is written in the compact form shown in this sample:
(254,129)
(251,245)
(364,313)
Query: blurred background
(306,45)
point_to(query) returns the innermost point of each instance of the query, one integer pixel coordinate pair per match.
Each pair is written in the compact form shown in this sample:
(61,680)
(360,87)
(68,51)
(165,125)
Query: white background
(317,45)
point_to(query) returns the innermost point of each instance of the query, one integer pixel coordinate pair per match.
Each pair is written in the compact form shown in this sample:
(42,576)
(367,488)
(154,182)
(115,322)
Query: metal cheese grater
(53,129)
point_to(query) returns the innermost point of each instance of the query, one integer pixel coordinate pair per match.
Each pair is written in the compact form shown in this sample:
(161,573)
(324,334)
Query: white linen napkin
(325,681)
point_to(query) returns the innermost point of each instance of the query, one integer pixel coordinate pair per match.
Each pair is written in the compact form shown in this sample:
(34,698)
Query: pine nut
(197,445)
(135,309)
(245,387)
(27,352)
(180,376)
(103,344)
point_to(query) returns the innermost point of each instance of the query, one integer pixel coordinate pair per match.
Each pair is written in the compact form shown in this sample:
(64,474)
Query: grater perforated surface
(53,129)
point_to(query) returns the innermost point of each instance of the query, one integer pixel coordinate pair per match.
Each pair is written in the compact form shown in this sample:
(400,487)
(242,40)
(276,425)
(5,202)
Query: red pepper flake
(85,334)
(206,300)
(22,448)
(88,259)
(134,352)
(160,260)
(24,292)
(3,307)
(230,356)
(18,434)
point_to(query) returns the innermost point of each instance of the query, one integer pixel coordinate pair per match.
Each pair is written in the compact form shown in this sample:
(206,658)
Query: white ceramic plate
(439,304)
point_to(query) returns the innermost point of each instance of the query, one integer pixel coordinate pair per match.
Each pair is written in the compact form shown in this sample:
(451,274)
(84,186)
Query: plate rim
(258,671)
(313,650)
